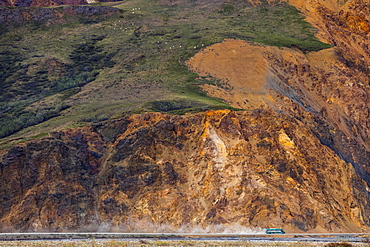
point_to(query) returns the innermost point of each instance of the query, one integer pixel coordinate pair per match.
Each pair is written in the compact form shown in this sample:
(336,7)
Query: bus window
(275,231)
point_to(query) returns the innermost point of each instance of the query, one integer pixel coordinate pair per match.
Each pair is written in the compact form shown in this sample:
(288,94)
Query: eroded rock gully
(344,24)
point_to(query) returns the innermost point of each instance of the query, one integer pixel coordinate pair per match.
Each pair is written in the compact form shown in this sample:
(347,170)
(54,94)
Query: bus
(274,231)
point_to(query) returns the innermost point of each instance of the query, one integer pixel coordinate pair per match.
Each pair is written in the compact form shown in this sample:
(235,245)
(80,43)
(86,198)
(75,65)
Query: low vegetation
(43,66)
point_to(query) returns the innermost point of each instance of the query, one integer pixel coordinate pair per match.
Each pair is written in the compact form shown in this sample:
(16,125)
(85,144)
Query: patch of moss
(38,136)
(180,106)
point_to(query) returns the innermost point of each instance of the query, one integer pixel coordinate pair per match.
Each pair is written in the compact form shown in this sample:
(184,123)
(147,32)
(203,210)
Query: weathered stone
(218,177)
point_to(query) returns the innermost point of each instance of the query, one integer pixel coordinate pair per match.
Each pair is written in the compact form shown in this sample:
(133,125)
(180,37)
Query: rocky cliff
(296,156)
(256,168)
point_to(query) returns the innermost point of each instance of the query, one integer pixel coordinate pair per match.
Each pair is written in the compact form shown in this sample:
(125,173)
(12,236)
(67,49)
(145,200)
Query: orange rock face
(254,168)
(345,24)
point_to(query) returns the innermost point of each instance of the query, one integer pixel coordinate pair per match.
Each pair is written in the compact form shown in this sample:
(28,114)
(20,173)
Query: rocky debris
(255,168)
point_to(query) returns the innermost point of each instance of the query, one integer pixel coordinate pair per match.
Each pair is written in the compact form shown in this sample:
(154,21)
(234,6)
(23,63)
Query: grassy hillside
(86,69)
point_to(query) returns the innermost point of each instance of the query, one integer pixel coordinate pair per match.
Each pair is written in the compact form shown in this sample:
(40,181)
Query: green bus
(274,231)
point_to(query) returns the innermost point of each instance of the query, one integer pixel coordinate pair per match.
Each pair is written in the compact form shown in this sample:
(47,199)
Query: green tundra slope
(70,66)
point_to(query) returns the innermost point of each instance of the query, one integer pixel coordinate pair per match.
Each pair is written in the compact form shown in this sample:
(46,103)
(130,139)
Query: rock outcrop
(255,168)
(344,24)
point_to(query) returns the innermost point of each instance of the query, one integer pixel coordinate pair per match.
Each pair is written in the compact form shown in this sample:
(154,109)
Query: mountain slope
(87,63)
(296,156)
